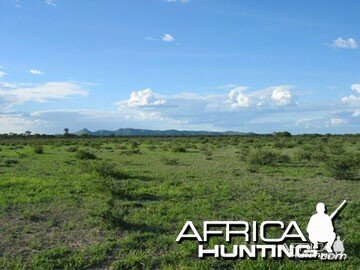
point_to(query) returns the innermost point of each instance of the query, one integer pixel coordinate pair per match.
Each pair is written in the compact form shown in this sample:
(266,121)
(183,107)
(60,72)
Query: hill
(148,132)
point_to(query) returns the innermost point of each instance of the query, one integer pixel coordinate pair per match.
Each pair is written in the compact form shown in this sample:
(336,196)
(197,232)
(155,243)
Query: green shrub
(72,149)
(253,168)
(336,149)
(38,149)
(10,161)
(134,144)
(170,161)
(130,152)
(320,156)
(302,155)
(107,169)
(152,147)
(267,157)
(179,149)
(83,154)
(344,167)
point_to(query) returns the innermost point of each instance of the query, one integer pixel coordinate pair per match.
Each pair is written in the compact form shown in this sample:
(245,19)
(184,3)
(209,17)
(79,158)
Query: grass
(119,203)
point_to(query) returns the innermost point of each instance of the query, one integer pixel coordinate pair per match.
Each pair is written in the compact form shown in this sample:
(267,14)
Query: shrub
(130,152)
(281,158)
(107,169)
(170,161)
(267,157)
(134,144)
(303,155)
(38,149)
(10,161)
(83,154)
(344,167)
(179,149)
(253,168)
(320,156)
(72,149)
(336,149)
(152,147)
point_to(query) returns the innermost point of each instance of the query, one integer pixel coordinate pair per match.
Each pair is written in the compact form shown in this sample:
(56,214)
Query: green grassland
(119,203)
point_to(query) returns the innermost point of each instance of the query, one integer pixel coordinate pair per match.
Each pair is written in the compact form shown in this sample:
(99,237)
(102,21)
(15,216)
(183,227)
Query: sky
(249,66)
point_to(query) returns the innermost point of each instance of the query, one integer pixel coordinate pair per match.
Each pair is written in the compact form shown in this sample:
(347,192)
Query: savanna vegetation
(119,203)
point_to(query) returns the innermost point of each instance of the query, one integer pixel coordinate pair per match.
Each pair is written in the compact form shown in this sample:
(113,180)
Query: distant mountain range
(148,132)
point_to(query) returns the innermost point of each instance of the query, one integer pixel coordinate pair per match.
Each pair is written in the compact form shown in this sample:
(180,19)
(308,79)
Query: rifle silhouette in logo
(320,227)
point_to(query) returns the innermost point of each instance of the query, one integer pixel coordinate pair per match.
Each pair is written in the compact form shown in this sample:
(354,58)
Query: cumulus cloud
(238,99)
(144,98)
(342,43)
(239,109)
(338,121)
(36,72)
(351,100)
(281,96)
(12,94)
(271,96)
(168,38)
(356,87)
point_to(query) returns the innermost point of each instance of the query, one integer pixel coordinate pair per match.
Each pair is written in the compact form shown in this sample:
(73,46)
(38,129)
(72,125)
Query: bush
(72,149)
(83,154)
(130,152)
(170,161)
(303,155)
(152,147)
(267,157)
(38,149)
(344,167)
(179,149)
(10,161)
(107,169)
(336,149)
(134,144)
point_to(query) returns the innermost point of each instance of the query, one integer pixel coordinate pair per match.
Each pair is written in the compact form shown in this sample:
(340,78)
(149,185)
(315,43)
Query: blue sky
(258,66)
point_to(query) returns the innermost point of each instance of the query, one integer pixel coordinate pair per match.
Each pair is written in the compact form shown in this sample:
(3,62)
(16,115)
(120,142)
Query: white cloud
(50,2)
(7,85)
(356,87)
(349,43)
(281,96)
(35,72)
(12,94)
(14,123)
(338,121)
(229,86)
(351,100)
(2,74)
(168,38)
(356,113)
(144,98)
(238,99)
(276,95)
(241,109)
